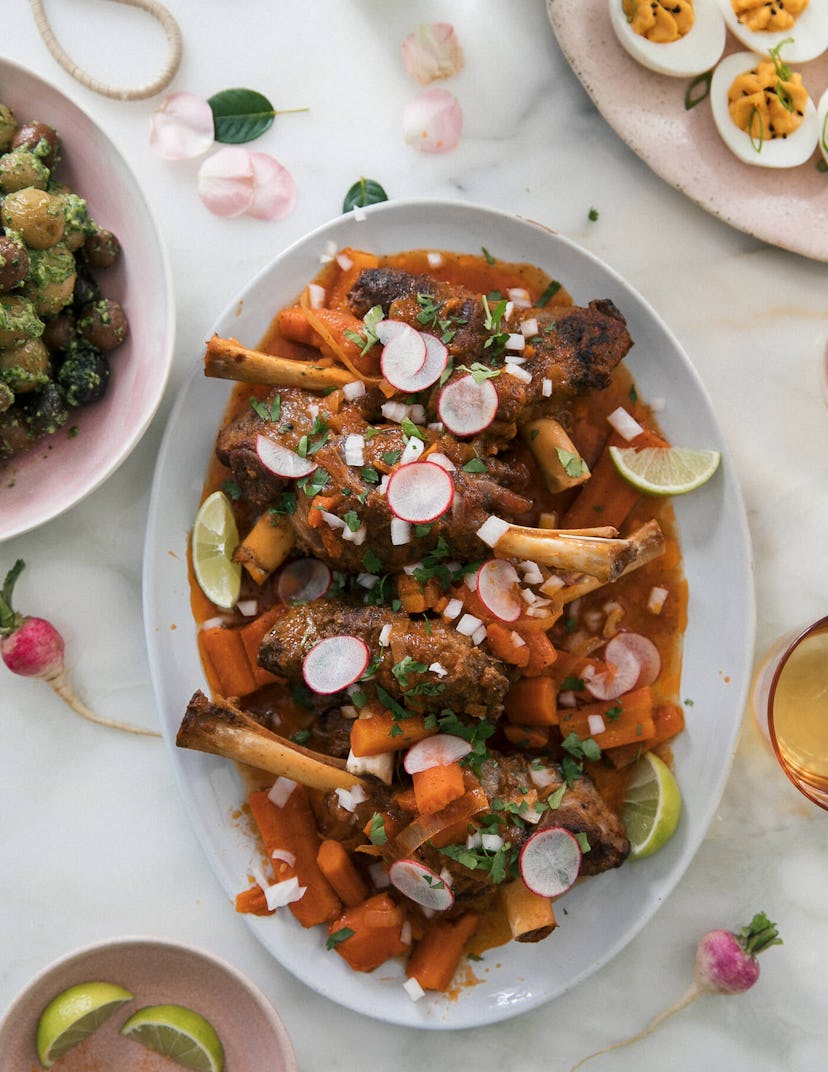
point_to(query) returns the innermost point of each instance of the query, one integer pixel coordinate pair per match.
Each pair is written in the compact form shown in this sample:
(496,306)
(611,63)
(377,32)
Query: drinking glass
(790,701)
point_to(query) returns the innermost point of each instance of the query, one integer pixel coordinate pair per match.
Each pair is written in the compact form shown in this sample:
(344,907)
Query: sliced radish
(303,579)
(403,350)
(437,751)
(498,586)
(335,663)
(421,885)
(644,650)
(420,492)
(621,674)
(282,461)
(550,861)
(466,407)
(436,360)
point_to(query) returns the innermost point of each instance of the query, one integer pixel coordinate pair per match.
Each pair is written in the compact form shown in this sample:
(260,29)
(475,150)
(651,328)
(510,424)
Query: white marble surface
(93,835)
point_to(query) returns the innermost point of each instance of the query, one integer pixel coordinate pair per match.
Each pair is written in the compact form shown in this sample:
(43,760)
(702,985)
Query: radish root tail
(691,995)
(61,686)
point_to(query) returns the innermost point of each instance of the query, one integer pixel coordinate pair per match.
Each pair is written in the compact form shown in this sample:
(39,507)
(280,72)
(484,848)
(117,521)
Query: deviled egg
(762,25)
(822,125)
(762,111)
(680,38)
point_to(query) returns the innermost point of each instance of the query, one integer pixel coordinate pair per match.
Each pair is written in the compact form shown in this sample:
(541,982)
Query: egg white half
(809,33)
(822,125)
(696,52)
(774,153)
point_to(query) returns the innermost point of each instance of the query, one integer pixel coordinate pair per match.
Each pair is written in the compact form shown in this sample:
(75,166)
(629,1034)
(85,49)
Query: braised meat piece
(464,678)
(575,349)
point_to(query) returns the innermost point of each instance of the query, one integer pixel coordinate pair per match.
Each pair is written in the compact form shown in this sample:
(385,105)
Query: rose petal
(432,51)
(225,181)
(182,127)
(433,121)
(274,190)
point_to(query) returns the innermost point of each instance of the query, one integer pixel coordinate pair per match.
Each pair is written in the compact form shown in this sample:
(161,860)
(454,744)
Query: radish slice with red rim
(303,579)
(550,861)
(621,674)
(421,885)
(281,460)
(335,663)
(498,586)
(420,492)
(436,360)
(642,649)
(403,350)
(466,407)
(437,751)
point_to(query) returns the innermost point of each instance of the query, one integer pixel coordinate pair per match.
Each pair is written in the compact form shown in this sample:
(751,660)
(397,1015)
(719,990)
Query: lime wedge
(73,1015)
(178,1033)
(215,538)
(651,807)
(665,470)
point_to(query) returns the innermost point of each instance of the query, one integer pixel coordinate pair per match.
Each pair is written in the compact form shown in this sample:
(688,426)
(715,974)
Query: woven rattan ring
(138,93)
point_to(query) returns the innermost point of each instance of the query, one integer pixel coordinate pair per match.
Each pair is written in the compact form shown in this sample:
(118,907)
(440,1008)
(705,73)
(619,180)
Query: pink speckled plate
(63,469)
(788,209)
(157,972)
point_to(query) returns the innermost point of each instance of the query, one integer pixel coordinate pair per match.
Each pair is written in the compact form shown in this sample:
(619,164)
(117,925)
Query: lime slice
(215,538)
(652,806)
(665,470)
(73,1015)
(178,1033)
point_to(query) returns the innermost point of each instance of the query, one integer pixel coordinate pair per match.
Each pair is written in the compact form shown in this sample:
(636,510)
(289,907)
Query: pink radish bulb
(420,884)
(420,492)
(334,663)
(437,751)
(620,676)
(466,407)
(403,351)
(432,369)
(498,586)
(33,647)
(643,650)
(550,861)
(302,580)
(282,461)
(725,963)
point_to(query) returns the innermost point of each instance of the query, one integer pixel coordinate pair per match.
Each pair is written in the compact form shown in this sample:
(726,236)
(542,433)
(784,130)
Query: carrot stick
(507,645)
(338,868)
(542,653)
(381,732)
(291,828)
(526,737)
(325,330)
(436,787)
(669,722)
(435,958)
(252,636)
(253,902)
(627,720)
(225,652)
(340,288)
(368,934)
(265,547)
(531,917)
(532,701)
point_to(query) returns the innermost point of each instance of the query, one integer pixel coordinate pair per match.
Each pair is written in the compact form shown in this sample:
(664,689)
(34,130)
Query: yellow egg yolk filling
(661,21)
(765,105)
(768,15)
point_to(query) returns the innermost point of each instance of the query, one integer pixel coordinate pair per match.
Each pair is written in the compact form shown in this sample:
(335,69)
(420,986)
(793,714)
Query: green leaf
(240,115)
(364,192)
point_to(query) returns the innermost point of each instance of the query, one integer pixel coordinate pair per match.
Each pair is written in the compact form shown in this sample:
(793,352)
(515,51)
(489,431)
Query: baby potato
(14,262)
(8,126)
(20,168)
(101,248)
(76,221)
(50,283)
(18,320)
(35,215)
(103,324)
(40,139)
(25,367)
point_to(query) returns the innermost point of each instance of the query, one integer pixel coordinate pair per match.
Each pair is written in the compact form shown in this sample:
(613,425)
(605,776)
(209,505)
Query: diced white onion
(280,894)
(413,989)
(515,341)
(286,857)
(470,581)
(349,798)
(344,261)
(624,424)
(522,374)
(479,635)
(519,297)
(491,842)
(528,596)
(417,414)
(435,260)
(383,484)
(530,571)
(349,711)
(214,622)
(435,426)
(517,639)
(280,791)
(384,638)
(412,451)
(492,529)
(328,252)
(354,389)
(541,776)
(567,698)
(355,449)
(333,521)
(400,531)
(316,295)
(552,584)
(467,625)
(475,840)
(596,724)
(406,932)
(529,326)
(452,609)
(411,568)
(438,669)
(367,580)
(360,214)
(248,607)
(657,599)
(355,536)
(546,387)
(395,411)
(381,766)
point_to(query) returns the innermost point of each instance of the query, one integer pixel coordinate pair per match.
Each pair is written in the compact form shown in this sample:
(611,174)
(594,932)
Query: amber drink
(791,702)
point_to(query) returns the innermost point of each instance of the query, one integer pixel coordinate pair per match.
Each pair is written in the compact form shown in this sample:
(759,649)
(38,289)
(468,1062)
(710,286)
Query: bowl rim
(167,322)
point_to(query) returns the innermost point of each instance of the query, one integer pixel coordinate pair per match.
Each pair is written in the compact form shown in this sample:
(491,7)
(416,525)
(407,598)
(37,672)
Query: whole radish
(725,964)
(32,647)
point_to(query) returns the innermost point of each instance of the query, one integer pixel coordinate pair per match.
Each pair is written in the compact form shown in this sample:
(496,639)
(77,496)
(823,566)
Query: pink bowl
(63,469)
(157,972)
